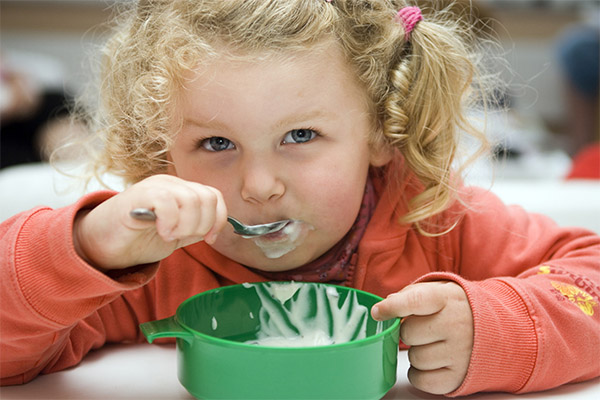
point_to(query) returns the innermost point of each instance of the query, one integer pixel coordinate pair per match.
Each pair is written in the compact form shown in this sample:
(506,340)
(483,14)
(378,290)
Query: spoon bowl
(248,231)
(257,230)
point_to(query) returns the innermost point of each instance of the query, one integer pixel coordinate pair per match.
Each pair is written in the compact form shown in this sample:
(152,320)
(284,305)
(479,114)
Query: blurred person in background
(34,108)
(578,53)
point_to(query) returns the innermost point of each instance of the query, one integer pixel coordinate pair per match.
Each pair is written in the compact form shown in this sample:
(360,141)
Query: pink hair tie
(409,16)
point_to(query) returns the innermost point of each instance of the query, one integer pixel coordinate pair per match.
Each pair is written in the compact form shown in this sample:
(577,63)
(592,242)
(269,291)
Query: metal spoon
(145,214)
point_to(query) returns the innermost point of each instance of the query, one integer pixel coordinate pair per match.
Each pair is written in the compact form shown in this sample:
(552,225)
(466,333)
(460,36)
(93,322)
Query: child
(342,116)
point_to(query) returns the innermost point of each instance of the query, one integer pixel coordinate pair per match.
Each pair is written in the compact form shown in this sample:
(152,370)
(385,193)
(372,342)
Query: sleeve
(534,290)
(54,307)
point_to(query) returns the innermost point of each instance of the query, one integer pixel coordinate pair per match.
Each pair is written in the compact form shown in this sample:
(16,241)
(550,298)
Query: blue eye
(216,143)
(299,136)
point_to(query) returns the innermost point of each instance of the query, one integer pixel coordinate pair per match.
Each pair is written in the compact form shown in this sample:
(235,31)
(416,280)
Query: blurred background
(45,48)
(546,131)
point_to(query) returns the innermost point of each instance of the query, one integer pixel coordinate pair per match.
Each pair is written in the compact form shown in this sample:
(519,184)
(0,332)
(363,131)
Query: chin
(286,262)
(290,248)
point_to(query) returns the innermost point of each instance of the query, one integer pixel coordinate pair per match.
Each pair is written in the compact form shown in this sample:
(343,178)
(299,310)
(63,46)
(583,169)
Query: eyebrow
(291,120)
(299,118)
(210,124)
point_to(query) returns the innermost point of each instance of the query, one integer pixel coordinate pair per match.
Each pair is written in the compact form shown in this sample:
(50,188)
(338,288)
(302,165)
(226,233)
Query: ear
(381,152)
(381,156)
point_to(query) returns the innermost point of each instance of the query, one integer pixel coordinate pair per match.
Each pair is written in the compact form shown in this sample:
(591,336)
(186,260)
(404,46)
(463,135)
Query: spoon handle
(145,214)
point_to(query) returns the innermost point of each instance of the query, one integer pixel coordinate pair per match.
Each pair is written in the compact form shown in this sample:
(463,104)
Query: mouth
(281,233)
(259,229)
(285,240)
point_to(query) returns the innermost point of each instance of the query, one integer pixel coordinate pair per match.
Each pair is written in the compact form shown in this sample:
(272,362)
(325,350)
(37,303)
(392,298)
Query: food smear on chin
(280,243)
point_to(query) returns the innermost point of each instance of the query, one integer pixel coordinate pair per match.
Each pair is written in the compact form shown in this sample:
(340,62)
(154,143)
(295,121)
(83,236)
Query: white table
(142,371)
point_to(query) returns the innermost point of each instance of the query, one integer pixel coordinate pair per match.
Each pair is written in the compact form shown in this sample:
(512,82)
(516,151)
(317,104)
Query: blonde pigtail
(430,87)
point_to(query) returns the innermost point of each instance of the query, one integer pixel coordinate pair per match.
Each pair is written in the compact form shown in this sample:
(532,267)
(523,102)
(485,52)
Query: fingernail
(168,236)
(375,312)
(210,238)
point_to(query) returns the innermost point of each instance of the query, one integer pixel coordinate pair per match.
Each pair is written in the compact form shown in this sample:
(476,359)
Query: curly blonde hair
(417,89)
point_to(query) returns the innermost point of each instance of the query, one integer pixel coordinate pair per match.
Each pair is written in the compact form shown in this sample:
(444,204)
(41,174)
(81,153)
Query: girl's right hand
(186,212)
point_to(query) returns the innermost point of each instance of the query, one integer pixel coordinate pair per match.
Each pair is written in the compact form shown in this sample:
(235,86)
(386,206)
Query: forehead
(320,75)
(325,54)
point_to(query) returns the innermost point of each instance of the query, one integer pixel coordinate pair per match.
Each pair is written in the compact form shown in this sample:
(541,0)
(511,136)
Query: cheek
(334,198)
(190,169)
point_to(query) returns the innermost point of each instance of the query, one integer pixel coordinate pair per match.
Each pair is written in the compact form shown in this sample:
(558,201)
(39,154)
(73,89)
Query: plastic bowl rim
(232,343)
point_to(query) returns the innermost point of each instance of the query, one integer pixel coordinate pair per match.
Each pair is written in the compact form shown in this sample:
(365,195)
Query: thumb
(424,298)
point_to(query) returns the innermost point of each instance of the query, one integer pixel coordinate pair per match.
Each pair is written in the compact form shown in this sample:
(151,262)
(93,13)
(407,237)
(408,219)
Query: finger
(220,217)
(152,193)
(417,330)
(430,356)
(194,215)
(166,209)
(197,205)
(188,241)
(438,381)
(417,299)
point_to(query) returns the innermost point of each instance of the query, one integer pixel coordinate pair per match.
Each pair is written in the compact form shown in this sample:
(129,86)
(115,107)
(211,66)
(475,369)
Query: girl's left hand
(437,323)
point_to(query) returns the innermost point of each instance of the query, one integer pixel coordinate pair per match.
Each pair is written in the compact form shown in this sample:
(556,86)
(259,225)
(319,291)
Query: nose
(261,181)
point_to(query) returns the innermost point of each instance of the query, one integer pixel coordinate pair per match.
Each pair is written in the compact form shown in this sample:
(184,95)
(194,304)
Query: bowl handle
(167,327)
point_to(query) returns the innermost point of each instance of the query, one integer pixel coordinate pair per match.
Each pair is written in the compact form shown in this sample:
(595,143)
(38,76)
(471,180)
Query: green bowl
(218,357)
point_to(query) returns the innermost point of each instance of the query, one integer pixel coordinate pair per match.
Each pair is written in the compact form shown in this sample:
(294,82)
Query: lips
(277,244)
(280,234)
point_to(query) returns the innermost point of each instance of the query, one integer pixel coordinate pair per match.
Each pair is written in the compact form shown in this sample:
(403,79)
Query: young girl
(342,116)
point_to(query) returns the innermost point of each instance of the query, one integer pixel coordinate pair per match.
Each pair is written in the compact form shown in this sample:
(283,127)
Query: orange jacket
(533,288)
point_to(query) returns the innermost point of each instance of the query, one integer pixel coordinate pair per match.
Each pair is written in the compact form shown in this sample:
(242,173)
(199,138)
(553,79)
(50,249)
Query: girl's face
(281,139)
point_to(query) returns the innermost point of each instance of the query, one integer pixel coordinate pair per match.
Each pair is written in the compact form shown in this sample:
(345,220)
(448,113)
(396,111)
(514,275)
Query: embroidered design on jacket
(580,298)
